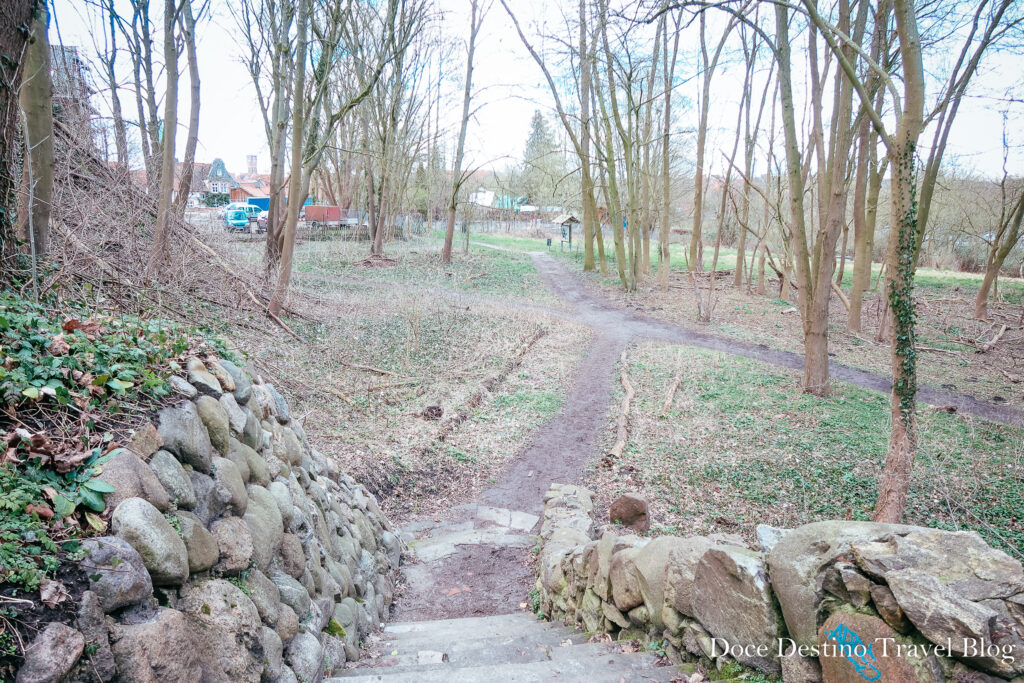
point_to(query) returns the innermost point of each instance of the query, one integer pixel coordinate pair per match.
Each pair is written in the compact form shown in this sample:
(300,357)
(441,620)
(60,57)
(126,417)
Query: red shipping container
(323,214)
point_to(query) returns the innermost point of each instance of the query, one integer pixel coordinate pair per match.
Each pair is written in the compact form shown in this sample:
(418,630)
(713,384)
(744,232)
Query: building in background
(71,91)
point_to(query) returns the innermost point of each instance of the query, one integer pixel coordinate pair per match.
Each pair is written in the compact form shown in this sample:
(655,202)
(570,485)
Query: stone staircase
(473,562)
(508,647)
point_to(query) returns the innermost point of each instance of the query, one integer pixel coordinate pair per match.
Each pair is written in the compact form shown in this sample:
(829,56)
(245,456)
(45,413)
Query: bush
(214,199)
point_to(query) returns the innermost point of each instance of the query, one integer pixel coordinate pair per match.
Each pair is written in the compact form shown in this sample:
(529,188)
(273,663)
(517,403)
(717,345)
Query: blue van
(237,220)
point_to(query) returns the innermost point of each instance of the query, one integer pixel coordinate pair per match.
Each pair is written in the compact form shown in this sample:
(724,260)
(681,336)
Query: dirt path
(607,319)
(603,315)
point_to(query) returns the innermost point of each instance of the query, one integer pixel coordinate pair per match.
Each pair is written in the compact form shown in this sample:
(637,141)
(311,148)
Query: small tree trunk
(474,27)
(997,257)
(188,165)
(901,265)
(295,199)
(37,103)
(164,209)
(110,61)
(762,256)
(842,256)
(668,72)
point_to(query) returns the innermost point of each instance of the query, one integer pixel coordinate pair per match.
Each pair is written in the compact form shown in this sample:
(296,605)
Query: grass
(417,264)
(542,403)
(742,446)
(418,347)
(933,279)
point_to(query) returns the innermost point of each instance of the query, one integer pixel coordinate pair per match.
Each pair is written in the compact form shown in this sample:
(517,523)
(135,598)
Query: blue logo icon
(854,649)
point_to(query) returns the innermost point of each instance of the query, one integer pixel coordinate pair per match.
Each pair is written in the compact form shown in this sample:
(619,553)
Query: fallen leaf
(43,511)
(95,522)
(65,462)
(89,326)
(58,347)
(52,593)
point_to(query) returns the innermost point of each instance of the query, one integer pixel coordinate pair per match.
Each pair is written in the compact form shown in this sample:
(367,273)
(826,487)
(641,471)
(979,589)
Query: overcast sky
(508,85)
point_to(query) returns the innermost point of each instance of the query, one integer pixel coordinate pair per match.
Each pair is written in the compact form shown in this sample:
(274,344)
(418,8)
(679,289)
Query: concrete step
(548,635)
(468,628)
(441,545)
(426,656)
(605,668)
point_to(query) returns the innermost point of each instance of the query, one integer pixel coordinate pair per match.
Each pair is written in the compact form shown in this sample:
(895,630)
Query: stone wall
(236,552)
(832,601)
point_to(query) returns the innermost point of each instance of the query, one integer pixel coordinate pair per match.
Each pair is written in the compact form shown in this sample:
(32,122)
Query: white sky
(509,87)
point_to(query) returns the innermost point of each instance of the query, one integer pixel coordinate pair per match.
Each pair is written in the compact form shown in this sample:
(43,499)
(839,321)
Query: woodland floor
(386,340)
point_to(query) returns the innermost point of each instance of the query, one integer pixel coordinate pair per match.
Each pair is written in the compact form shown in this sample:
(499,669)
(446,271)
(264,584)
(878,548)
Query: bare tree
(108,59)
(581,142)
(1006,236)
(668,71)
(708,65)
(815,260)
(267,34)
(477,11)
(188,32)
(901,249)
(170,125)
(338,31)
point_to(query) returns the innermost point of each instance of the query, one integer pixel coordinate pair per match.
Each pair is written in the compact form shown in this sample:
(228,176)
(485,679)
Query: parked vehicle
(261,221)
(251,210)
(237,220)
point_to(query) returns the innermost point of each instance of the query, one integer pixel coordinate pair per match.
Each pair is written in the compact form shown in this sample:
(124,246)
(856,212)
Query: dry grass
(742,446)
(427,346)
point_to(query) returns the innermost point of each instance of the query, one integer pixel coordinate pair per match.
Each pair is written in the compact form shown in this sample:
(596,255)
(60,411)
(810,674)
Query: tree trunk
(696,262)
(1001,248)
(668,71)
(37,103)
(164,209)
(188,164)
(901,265)
(120,134)
(295,179)
(863,243)
(474,27)
(590,225)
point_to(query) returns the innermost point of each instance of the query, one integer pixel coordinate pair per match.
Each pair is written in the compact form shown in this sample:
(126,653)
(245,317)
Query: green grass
(743,446)
(544,404)
(483,271)
(678,253)
(931,279)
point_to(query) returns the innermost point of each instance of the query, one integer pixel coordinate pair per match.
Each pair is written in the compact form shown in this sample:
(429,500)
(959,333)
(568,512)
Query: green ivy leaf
(62,506)
(93,500)
(99,486)
(119,385)
(32,393)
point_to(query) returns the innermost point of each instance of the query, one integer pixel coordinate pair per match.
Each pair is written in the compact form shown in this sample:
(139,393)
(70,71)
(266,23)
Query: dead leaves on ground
(20,445)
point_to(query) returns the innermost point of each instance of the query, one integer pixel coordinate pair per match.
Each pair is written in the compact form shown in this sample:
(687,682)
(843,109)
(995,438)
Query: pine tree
(543,165)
